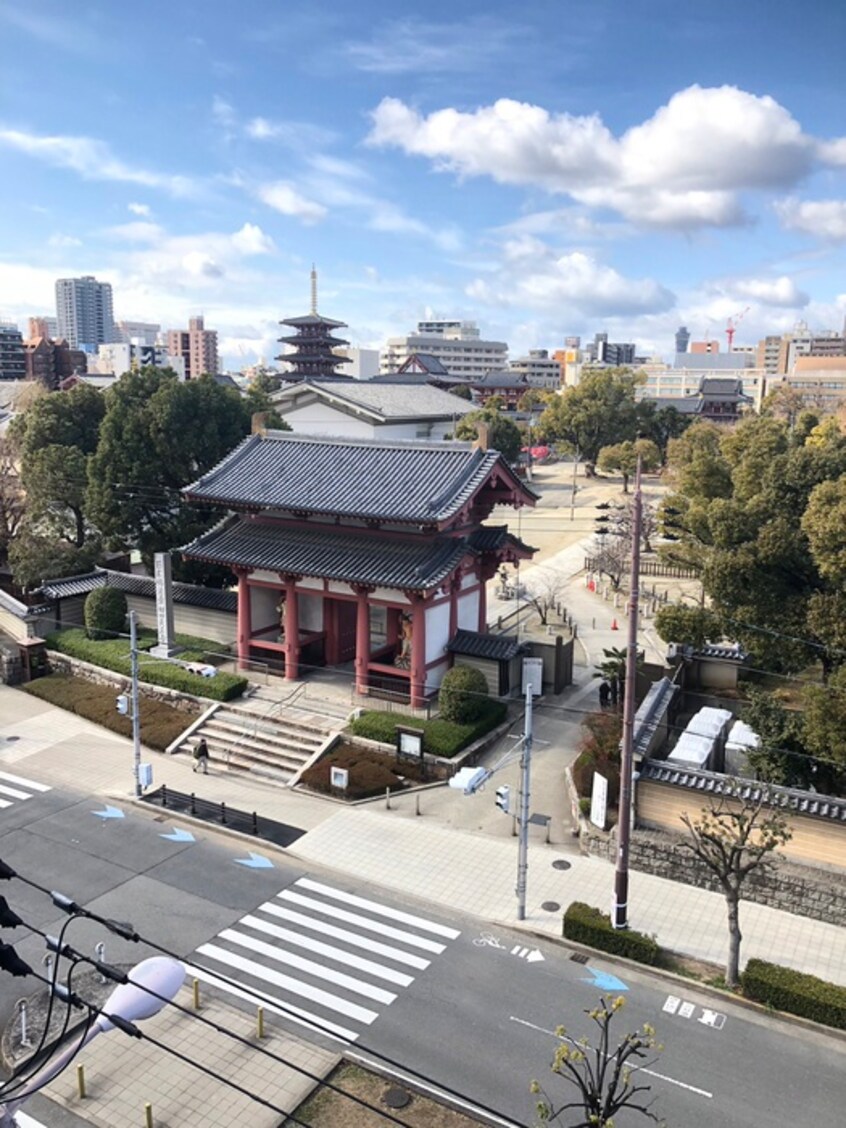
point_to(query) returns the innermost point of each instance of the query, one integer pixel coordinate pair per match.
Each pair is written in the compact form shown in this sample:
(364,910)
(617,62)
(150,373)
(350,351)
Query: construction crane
(732,324)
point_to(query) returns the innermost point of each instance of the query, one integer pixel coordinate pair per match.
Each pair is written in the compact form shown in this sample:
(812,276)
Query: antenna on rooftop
(313,290)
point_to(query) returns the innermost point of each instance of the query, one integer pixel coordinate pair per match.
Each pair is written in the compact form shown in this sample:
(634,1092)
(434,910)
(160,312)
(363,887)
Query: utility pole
(619,917)
(136,719)
(575,487)
(525,782)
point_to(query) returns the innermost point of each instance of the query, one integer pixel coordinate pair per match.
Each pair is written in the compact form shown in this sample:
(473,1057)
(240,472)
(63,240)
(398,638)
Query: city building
(659,381)
(363,363)
(84,312)
(682,339)
(821,380)
(44,327)
(49,362)
(456,344)
(539,370)
(137,332)
(704,347)
(569,360)
(12,358)
(354,550)
(116,359)
(615,354)
(197,346)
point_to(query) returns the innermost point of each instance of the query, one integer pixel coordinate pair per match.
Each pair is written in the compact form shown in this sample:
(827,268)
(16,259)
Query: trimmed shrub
(463,695)
(370,772)
(795,992)
(160,723)
(587,925)
(440,737)
(105,613)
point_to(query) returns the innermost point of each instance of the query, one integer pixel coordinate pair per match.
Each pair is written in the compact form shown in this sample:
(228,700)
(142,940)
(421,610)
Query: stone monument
(166,647)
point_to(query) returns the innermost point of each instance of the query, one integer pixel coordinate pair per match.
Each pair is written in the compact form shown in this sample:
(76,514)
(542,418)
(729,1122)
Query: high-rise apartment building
(137,332)
(456,344)
(197,346)
(84,312)
(12,359)
(44,327)
(614,353)
(539,370)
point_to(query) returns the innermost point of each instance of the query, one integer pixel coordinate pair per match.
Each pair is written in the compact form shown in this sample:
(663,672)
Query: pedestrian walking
(604,694)
(201,756)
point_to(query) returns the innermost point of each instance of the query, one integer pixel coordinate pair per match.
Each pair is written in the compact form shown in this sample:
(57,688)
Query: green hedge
(587,925)
(440,738)
(113,654)
(795,992)
(160,723)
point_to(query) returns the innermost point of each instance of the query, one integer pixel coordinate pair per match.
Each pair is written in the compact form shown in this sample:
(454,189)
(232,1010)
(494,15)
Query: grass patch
(160,724)
(440,737)
(113,654)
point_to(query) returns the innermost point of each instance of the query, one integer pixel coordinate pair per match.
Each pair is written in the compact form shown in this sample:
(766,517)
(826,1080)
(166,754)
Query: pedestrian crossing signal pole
(525,777)
(136,719)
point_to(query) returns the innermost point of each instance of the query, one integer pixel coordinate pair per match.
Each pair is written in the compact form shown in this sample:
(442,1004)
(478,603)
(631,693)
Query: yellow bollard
(80,1081)
(148,1115)
(259,1022)
(195,988)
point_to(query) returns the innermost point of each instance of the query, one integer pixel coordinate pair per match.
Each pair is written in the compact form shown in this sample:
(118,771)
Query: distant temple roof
(408,482)
(138,585)
(314,356)
(496,648)
(383,401)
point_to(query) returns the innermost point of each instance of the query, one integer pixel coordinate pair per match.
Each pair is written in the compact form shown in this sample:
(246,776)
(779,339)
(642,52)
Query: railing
(650,568)
(246,822)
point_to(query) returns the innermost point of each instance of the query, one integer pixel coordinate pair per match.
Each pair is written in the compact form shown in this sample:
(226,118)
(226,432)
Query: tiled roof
(489,538)
(413,482)
(429,363)
(212,598)
(313,319)
(712,783)
(496,648)
(385,400)
(418,564)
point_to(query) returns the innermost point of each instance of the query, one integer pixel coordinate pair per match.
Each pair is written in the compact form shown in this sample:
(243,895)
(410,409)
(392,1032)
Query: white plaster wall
(437,631)
(468,611)
(266,577)
(311,584)
(311,612)
(263,603)
(435,676)
(469,580)
(322,419)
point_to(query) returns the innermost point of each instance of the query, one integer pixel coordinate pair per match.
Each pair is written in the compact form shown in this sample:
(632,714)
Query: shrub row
(370,772)
(160,723)
(795,992)
(113,654)
(587,925)
(440,737)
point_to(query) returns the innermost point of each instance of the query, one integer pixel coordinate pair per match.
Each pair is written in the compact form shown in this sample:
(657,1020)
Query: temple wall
(468,611)
(318,418)
(437,631)
(263,603)
(311,612)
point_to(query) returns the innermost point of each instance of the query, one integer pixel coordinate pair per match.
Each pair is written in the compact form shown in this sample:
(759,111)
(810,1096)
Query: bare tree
(605,1077)
(736,834)
(545,590)
(12,499)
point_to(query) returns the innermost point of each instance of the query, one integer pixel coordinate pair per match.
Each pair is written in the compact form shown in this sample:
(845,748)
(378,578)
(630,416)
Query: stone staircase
(275,744)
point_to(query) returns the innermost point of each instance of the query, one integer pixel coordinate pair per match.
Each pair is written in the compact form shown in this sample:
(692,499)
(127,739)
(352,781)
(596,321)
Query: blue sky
(547,168)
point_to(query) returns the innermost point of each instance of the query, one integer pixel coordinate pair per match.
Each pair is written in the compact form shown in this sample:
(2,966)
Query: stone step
(229,737)
(222,749)
(281,732)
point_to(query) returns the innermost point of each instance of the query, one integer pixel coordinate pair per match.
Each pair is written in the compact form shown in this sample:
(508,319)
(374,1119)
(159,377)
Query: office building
(456,344)
(44,327)
(12,360)
(539,370)
(682,339)
(197,346)
(49,362)
(115,359)
(616,354)
(137,332)
(84,312)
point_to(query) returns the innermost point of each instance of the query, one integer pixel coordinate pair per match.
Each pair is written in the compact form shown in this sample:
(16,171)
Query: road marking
(14,792)
(24,1120)
(712,1018)
(605,981)
(314,994)
(364,942)
(363,922)
(321,949)
(338,978)
(286,1010)
(255,861)
(5,803)
(381,910)
(24,782)
(487,940)
(671,1004)
(635,1069)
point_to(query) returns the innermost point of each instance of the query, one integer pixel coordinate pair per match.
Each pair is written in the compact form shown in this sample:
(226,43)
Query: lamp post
(136,718)
(619,916)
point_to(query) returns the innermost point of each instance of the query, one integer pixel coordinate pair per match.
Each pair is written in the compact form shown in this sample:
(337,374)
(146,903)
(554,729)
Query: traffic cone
(614,626)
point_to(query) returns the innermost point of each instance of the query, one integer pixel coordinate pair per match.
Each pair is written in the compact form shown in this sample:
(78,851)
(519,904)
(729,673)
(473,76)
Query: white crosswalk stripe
(289,951)
(23,789)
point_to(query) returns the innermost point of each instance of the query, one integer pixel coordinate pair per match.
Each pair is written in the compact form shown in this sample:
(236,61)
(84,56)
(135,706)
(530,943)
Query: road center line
(635,1069)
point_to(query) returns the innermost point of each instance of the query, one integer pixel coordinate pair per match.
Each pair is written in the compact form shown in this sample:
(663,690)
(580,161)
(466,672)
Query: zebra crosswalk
(14,788)
(322,956)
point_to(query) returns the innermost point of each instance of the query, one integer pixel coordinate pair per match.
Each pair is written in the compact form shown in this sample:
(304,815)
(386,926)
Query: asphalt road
(459,1004)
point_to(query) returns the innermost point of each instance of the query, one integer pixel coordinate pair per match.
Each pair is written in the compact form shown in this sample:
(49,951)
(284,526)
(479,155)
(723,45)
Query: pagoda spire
(313,291)
(313,356)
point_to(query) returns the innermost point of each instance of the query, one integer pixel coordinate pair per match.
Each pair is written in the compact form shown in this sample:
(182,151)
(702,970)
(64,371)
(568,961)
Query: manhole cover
(396,1098)
(559,863)
(577,957)
(550,906)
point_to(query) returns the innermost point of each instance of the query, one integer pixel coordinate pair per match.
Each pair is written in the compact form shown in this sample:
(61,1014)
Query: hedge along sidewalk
(443,739)
(113,654)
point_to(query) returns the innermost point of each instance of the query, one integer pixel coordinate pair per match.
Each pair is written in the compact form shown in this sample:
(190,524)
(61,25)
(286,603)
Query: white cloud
(781,291)
(251,240)
(411,45)
(139,231)
(533,278)
(223,113)
(683,167)
(60,240)
(92,160)
(284,197)
(142,210)
(824,219)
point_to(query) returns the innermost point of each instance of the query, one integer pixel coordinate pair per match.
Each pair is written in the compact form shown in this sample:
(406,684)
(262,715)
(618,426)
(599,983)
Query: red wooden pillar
(362,636)
(418,654)
(292,630)
(245,625)
(483,602)
(332,648)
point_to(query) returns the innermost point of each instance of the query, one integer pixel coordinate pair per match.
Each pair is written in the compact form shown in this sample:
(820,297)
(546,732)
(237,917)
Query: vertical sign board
(339,777)
(164,607)
(533,675)
(599,800)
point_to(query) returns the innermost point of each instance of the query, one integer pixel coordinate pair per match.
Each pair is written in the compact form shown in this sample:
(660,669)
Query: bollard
(80,1081)
(25,1039)
(593,624)
(417,803)
(387,798)
(259,1022)
(223,813)
(255,823)
(148,1115)
(193,803)
(195,991)
(100,954)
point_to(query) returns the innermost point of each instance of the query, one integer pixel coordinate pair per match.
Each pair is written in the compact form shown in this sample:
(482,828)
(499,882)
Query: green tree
(781,756)
(66,419)
(824,732)
(462,391)
(623,457)
(463,695)
(12,500)
(160,434)
(605,1076)
(824,524)
(599,411)
(688,626)
(259,399)
(34,558)
(503,433)
(735,835)
(105,612)
(661,424)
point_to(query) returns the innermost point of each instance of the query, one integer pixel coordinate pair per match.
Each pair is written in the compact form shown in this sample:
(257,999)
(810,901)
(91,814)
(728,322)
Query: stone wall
(802,890)
(65,664)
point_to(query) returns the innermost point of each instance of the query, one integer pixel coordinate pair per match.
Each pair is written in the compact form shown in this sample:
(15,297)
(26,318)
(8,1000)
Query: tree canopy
(623,457)
(597,412)
(503,433)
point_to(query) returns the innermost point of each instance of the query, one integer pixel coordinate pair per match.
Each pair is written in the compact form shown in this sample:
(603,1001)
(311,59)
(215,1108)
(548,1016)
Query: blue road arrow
(605,981)
(109,813)
(179,836)
(255,861)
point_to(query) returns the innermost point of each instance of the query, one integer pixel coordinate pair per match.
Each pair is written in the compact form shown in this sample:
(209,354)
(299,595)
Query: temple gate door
(346,629)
